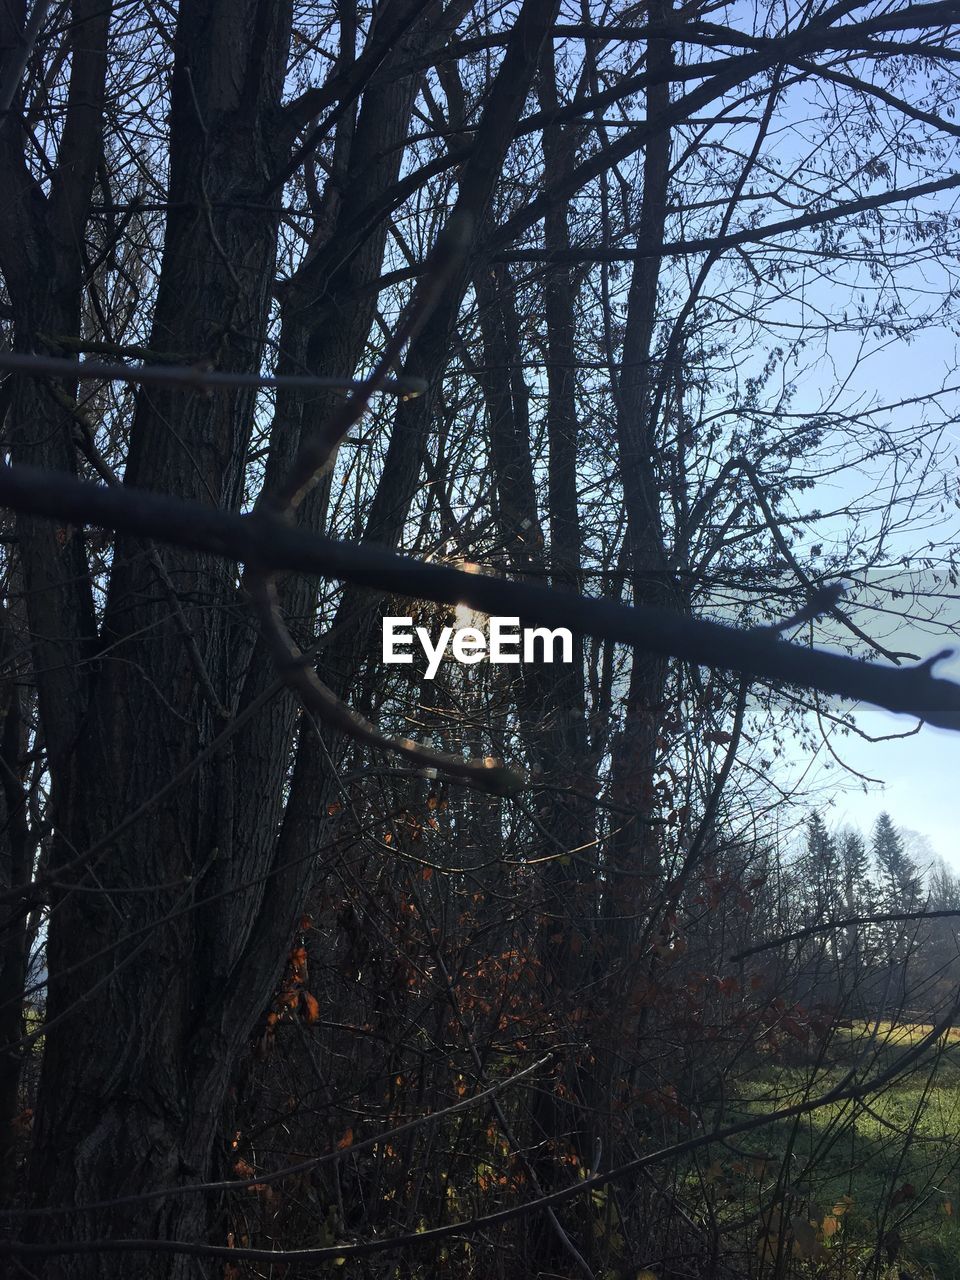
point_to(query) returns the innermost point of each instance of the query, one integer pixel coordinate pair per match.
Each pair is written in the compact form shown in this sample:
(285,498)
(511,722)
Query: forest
(338,341)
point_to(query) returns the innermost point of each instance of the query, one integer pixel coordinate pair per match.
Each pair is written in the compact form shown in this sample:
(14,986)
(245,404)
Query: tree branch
(749,235)
(264,541)
(303,1166)
(887,917)
(313,458)
(192,376)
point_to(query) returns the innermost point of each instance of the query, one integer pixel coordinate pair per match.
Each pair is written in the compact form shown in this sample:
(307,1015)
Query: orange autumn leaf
(345,1141)
(311,1007)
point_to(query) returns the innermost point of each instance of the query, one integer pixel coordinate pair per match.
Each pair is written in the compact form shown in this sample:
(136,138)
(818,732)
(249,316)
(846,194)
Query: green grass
(877,1178)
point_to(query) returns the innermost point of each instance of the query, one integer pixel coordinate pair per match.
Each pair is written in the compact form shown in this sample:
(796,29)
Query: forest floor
(856,1182)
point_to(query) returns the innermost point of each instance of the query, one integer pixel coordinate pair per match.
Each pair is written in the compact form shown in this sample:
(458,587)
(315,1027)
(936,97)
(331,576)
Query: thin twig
(845,1090)
(303,1166)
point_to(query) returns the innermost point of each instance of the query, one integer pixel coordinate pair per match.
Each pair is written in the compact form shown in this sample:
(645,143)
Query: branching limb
(848,1089)
(17,57)
(303,1166)
(816,597)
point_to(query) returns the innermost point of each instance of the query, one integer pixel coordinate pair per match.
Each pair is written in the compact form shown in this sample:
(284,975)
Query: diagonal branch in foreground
(314,457)
(268,543)
(303,1166)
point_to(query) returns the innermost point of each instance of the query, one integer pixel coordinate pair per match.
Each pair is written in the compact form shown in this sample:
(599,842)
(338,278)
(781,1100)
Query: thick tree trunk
(427,358)
(137,1057)
(633,862)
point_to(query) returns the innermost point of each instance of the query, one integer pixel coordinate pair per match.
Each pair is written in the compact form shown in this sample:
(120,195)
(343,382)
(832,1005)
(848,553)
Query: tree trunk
(137,1056)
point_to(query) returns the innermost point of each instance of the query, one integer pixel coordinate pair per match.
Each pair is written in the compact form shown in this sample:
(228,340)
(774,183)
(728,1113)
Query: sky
(922,784)
(918,776)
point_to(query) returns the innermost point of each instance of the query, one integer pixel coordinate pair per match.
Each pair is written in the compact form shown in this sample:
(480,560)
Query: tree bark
(137,1057)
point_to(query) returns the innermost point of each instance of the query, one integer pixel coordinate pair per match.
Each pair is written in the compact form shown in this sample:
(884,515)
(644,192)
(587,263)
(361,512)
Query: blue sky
(922,782)
(919,774)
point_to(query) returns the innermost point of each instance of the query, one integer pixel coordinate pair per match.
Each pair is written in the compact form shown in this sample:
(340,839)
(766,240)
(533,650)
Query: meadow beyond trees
(631,321)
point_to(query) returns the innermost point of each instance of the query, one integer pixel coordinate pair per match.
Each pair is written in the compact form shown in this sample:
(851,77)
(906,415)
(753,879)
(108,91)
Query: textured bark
(143,1034)
(126,663)
(137,1058)
(327,313)
(549,699)
(43,273)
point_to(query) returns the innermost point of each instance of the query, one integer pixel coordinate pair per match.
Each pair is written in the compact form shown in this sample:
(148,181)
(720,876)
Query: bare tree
(227,300)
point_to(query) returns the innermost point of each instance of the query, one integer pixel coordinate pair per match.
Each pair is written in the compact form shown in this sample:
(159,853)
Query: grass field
(854,1188)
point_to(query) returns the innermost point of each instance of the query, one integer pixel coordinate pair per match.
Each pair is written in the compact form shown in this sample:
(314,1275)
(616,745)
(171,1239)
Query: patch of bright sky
(916,778)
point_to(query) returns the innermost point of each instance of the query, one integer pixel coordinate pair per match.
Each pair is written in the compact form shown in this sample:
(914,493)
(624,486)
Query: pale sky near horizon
(921,776)
(921,773)
(894,366)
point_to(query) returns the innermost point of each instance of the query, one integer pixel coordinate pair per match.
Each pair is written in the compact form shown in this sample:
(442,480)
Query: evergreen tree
(820,885)
(900,888)
(858,889)
(859,899)
(899,880)
(941,939)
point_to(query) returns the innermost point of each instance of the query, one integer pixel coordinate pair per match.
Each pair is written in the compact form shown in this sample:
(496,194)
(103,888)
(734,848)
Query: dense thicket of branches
(695,238)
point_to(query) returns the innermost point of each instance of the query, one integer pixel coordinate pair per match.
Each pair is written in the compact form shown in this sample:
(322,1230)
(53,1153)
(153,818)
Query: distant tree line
(874,960)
